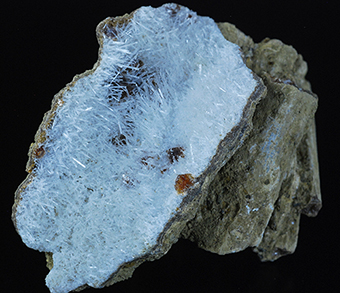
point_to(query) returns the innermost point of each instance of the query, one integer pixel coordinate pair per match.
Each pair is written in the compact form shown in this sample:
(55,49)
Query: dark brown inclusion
(173,11)
(127,81)
(175,153)
(119,140)
(39,152)
(147,161)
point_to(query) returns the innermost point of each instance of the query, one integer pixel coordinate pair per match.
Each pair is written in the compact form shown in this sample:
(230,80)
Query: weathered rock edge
(258,196)
(184,222)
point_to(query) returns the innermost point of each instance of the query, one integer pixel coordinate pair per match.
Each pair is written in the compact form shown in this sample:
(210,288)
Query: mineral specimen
(170,135)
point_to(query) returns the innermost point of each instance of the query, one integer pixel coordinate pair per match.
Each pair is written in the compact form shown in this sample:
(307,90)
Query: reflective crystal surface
(127,141)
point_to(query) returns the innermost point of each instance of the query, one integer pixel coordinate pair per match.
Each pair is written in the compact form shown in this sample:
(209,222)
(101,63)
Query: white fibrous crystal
(167,89)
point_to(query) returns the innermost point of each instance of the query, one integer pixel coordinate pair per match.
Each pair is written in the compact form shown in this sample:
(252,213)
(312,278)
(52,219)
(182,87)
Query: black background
(44,44)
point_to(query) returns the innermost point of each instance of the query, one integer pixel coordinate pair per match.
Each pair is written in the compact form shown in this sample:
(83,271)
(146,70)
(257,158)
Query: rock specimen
(258,196)
(170,135)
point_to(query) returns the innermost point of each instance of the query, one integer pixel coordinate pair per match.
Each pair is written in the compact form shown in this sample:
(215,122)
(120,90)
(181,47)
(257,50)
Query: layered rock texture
(258,196)
(183,128)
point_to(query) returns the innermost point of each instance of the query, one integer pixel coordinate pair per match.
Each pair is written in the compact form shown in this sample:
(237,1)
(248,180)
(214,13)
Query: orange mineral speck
(183,182)
(39,152)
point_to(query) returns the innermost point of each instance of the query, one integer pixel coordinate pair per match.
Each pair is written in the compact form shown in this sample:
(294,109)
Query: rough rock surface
(254,192)
(257,198)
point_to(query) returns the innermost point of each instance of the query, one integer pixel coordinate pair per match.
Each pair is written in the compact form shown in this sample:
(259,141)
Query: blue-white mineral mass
(128,139)
(126,154)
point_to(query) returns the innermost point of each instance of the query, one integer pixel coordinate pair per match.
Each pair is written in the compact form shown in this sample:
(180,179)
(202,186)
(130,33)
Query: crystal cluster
(126,141)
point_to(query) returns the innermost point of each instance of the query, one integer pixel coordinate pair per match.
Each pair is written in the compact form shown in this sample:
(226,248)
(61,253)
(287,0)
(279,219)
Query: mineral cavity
(126,141)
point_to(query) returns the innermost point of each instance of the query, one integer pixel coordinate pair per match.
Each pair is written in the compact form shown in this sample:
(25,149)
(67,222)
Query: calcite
(183,128)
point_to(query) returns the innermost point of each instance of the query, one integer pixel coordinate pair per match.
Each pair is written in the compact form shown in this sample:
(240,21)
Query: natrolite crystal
(127,151)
